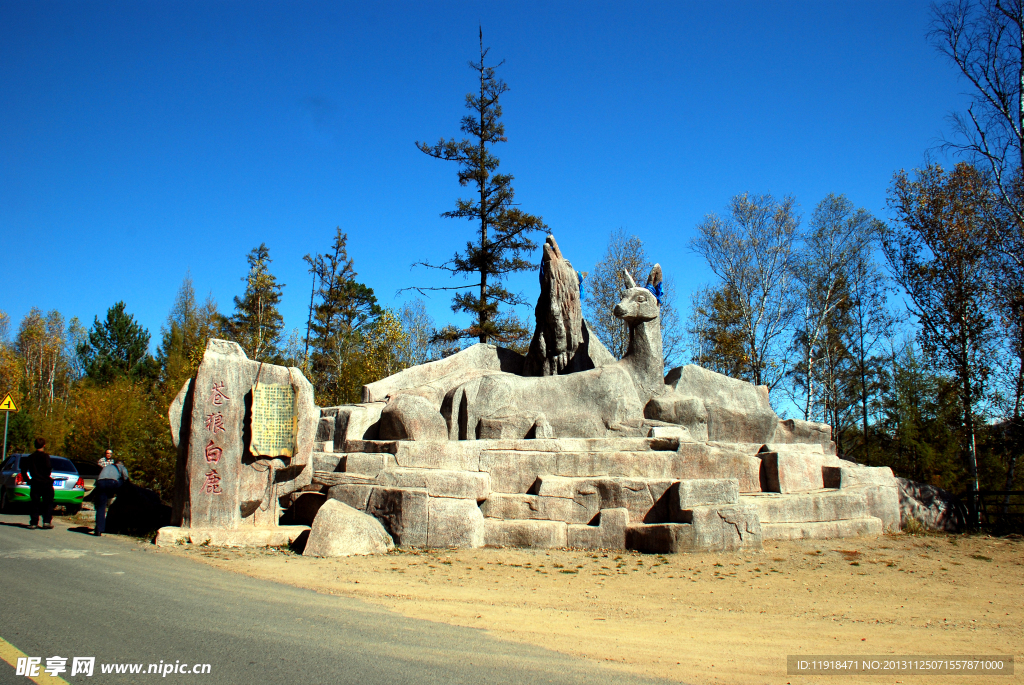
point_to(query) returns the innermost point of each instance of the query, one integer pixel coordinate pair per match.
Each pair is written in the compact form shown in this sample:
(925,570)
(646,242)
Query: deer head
(640,304)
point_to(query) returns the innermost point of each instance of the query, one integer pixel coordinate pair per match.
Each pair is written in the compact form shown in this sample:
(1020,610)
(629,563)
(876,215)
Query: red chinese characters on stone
(213,453)
(217,396)
(215,423)
(211,485)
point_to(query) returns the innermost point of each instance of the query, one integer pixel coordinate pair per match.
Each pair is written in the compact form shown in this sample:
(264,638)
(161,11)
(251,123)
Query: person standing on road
(36,468)
(107,458)
(108,482)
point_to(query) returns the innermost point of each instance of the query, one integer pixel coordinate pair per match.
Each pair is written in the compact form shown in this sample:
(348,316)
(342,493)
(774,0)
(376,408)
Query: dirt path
(714,618)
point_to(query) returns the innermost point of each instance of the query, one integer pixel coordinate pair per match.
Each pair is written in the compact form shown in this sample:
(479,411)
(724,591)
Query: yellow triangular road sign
(8,403)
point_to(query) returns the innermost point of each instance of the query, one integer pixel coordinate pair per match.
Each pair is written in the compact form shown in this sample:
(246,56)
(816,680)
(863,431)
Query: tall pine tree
(503,233)
(338,326)
(256,324)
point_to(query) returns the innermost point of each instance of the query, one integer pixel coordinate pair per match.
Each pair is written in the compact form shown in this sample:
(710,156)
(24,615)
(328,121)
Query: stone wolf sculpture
(608,400)
(562,342)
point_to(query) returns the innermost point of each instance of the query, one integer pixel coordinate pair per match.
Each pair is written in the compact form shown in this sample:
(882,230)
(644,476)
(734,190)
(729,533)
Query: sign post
(7,406)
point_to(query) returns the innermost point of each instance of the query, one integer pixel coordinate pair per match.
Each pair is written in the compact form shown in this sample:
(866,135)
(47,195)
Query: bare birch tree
(752,250)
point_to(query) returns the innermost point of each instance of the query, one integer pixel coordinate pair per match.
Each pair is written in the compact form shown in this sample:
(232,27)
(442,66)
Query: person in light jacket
(110,480)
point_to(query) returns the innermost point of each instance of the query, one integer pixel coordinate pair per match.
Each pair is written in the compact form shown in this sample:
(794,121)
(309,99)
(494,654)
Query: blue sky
(143,140)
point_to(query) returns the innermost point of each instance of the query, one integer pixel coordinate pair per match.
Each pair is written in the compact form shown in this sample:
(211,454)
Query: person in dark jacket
(108,482)
(36,468)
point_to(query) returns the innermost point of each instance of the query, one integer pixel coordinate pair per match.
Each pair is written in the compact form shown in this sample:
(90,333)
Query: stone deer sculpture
(608,400)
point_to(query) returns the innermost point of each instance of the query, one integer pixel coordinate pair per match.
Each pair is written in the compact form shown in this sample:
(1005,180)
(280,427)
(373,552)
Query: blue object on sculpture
(580,277)
(656,291)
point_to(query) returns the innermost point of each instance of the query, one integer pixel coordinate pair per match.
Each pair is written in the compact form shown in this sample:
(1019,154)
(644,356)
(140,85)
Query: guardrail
(1001,511)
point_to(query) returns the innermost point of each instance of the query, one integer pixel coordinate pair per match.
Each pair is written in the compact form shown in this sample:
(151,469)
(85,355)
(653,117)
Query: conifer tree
(339,323)
(503,230)
(117,346)
(256,324)
(189,326)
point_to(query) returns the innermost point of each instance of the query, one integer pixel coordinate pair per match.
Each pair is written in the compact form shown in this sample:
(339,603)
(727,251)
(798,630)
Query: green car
(68,486)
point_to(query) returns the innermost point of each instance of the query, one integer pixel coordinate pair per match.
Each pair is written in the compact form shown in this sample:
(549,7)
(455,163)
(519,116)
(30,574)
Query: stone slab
(355,496)
(712,529)
(721,460)
(827,505)
(439,483)
(477,357)
(454,523)
(325,461)
(644,464)
(883,502)
(404,514)
(866,475)
(325,429)
(423,454)
(244,537)
(364,463)
(822,530)
(638,496)
(515,472)
(698,492)
(408,416)
(532,534)
(534,507)
(792,472)
(805,432)
(354,422)
(609,533)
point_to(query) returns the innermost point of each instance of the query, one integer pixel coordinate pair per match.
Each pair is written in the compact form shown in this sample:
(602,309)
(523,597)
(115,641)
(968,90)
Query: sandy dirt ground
(713,618)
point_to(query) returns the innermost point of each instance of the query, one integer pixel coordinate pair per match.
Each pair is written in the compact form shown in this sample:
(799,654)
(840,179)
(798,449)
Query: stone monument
(244,433)
(565,446)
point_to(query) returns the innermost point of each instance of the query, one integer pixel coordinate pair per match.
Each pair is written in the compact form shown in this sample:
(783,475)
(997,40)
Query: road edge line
(10,654)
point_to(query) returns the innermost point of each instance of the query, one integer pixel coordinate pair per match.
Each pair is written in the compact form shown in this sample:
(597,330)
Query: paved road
(69,594)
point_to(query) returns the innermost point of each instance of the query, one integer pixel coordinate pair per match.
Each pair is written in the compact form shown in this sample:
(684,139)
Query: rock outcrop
(341,531)
(934,508)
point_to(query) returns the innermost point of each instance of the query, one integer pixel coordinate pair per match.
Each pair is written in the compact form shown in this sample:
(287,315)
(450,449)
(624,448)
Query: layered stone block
(638,496)
(454,523)
(471,485)
(829,505)
(705,491)
(791,472)
(609,533)
(710,529)
(535,507)
(822,530)
(404,513)
(532,534)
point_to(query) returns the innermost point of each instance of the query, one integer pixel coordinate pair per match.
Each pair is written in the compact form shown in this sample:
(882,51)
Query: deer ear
(630,283)
(655,277)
